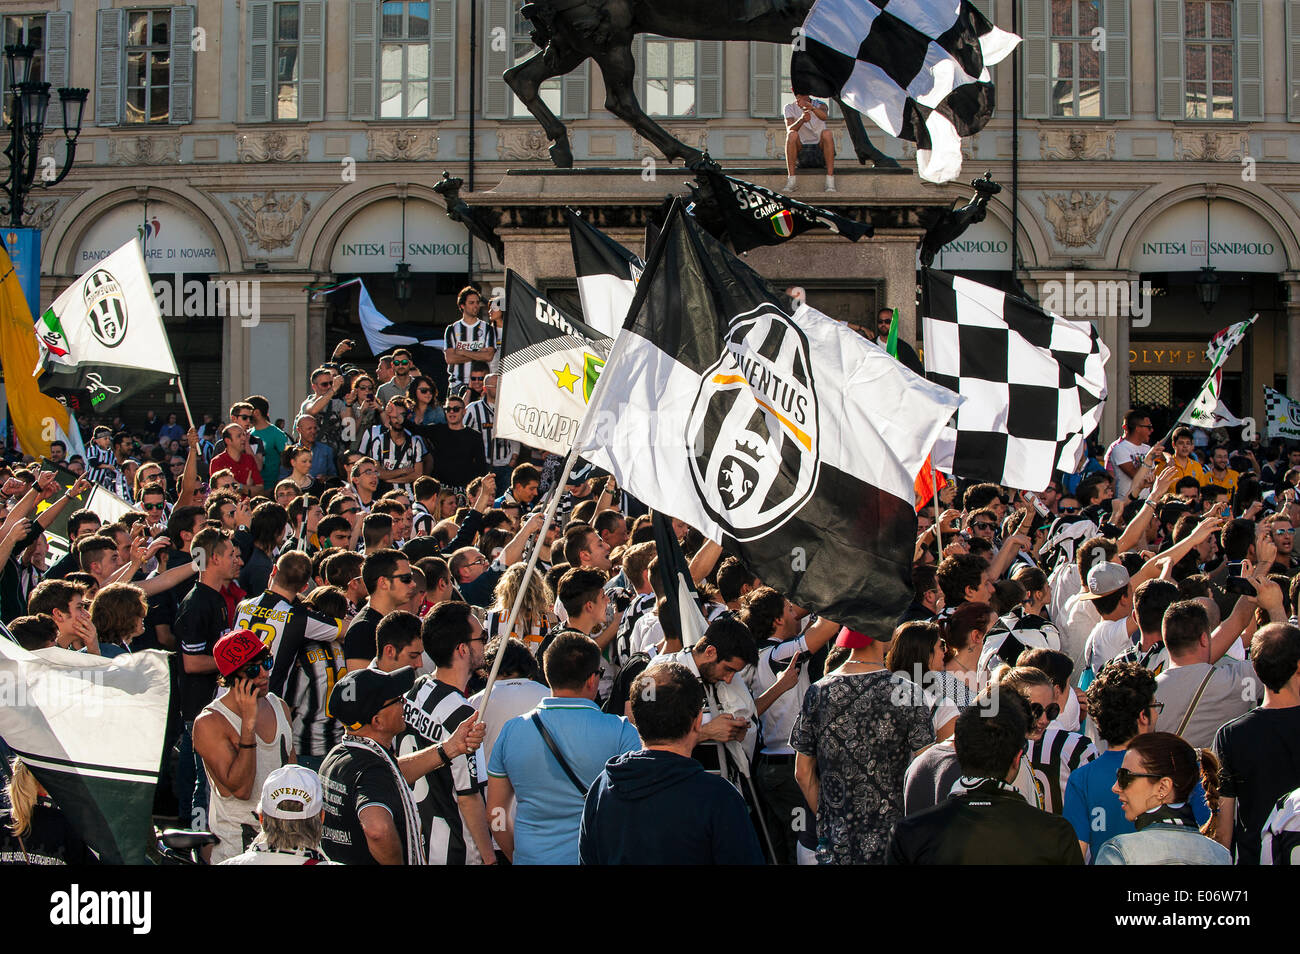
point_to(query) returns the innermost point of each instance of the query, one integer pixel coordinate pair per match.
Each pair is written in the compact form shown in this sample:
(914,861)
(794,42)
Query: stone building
(292,143)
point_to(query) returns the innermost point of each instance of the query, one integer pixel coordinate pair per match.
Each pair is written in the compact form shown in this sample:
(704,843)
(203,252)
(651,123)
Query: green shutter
(58,26)
(1116,84)
(362,60)
(764,80)
(182,54)
(1293,60)
(1250,60)
(311,61)
(497,16)
(257,89)
(575,95)
(708,78)
(110,26)
(1034,29)
(1170,99)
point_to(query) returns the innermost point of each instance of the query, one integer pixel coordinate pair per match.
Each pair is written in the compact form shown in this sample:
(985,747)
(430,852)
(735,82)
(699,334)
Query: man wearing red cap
(243,736)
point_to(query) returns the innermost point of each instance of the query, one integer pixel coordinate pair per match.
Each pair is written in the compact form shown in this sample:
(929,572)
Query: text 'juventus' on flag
(1283,415)
(756,216)
(381,334)
(1035,383)
(789,439)
(91,730)
(103,339)
(549,365)
(607,275)
(916,68)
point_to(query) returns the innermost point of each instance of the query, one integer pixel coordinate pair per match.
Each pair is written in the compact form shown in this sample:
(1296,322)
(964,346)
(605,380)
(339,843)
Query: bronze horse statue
(571,31)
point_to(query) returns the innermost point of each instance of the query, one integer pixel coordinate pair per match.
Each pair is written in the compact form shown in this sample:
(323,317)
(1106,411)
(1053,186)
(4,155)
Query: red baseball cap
(237,649)
(852,639)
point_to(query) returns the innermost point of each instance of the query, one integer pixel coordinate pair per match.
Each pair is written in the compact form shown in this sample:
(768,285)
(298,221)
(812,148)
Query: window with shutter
(1293,60)
(257,72)
(108,66)
(311,57)
(1208,80)
(765,79)
(442,60)
(508,42)
(30,29)
(1076,59)
(680,79)
(1169,60)
(1250,60)
(1116,96)
(181,81)
(58,29)
(361,59)
(147,79)
(1035,26)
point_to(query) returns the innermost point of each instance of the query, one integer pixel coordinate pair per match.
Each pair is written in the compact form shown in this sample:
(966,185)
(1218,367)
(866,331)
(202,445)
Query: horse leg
(619,71)
(862,142)
(526,80)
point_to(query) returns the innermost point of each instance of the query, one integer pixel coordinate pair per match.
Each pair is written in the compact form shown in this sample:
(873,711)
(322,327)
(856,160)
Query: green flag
(891,345)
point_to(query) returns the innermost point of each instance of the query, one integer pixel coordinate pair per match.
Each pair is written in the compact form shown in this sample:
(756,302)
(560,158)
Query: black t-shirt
(69,563)
(457,455)
(1260,753)
(201,620)
(359,641)
(49,841)
(353,778)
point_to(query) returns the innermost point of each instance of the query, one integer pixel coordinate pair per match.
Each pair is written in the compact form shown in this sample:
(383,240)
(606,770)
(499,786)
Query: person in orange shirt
(1182,461)
(1220,473)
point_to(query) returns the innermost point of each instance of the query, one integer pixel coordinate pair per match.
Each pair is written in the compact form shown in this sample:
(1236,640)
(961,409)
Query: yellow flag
(35,416)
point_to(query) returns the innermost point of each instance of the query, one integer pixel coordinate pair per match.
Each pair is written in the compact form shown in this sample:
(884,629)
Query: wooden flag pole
(934,482)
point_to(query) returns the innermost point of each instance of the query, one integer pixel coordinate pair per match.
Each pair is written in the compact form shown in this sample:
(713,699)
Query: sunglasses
(423,391)
(1068,509)
(154,506)
(403,363)
(1124,778)
(454,408)
(365,387)
(255,669)
(404,577)
(982,526)
(476,377)
(1284,533)
(1036,711)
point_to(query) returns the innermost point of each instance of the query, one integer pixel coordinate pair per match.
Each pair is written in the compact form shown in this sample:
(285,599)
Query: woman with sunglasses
(426,406)
(1155,785)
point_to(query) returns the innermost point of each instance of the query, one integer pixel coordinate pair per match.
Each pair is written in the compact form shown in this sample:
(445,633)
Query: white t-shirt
(510,698)
(810,133)
(1080,619)
(1109,638)
(1124,452)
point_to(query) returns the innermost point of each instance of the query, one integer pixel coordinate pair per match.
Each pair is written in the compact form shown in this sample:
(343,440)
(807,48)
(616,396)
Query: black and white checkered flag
(1035,383)
(917,68)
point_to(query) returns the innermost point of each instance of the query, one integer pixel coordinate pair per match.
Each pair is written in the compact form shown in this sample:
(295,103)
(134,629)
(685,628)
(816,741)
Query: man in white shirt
(805,136)
(1125,457)
(1108,588)
(468,339)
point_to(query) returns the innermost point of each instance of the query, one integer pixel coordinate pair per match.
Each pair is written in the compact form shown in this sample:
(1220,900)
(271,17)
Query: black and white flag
(549,365)
(786,437)
(916,68)
(607,275)
(91,730)
(1035,383)
(755,215)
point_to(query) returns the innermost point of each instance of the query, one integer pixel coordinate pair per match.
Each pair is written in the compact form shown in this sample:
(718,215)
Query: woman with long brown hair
(1154,785)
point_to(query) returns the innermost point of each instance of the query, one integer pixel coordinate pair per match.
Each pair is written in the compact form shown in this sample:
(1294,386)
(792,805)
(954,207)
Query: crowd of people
(1105,672)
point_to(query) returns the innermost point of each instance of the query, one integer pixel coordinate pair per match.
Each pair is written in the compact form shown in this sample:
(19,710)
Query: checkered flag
(916,68)
(1282,415)
(1034,383)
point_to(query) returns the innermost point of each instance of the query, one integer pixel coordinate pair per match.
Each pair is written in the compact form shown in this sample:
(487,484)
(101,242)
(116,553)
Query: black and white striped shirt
(98,461)
(1053,757)
(378,443)
(464,337)
(307,654)
(483,418)
(433,712)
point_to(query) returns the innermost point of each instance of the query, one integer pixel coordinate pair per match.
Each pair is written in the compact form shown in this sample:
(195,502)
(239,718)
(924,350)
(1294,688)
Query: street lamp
(1207,283)
(30,103)
(403,288)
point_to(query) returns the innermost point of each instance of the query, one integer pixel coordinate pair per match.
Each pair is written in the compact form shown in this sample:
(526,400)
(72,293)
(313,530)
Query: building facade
(258,148)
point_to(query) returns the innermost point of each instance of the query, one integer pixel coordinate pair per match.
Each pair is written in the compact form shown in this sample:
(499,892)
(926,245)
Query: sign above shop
(1175,357)
(985,246)
(173,240)
(1239,240)
(372,240)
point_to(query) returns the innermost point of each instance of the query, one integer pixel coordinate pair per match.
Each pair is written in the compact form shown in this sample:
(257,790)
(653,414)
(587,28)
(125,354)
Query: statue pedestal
(841,277)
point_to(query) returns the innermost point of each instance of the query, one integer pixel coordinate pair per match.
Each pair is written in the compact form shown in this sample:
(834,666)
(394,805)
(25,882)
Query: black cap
(358,696)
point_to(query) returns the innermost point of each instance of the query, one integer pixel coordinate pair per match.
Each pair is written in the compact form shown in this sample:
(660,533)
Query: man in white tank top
(242,736)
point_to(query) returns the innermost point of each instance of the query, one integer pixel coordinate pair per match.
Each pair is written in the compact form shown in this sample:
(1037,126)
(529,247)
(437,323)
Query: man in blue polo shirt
(547,759)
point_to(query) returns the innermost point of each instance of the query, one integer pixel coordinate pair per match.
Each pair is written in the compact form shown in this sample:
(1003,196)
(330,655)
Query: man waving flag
(788,438)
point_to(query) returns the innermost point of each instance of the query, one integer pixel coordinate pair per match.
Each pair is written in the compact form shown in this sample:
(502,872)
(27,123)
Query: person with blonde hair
(32,829)
(535,616)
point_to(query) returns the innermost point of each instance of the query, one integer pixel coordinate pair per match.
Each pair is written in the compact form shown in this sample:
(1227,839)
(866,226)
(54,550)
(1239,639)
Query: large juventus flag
(1035,383)
(549,365)
(607,275)
(916,68)
(788,438)
(91,730)
(381,334)
(103,340)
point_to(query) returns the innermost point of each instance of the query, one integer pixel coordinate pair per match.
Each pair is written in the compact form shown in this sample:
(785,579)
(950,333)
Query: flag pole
(934,482)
